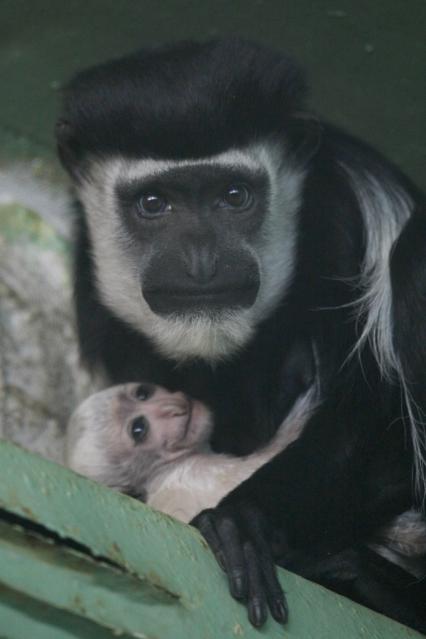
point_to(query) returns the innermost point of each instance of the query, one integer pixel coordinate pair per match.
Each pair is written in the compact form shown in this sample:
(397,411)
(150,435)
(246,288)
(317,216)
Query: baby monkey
(154,445)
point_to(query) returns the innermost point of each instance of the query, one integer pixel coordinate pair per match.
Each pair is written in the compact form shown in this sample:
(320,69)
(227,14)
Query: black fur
(352,469)
(167,101)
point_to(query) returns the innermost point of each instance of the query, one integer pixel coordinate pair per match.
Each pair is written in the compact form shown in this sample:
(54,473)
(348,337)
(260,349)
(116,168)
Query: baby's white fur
(202,479)
(181,487)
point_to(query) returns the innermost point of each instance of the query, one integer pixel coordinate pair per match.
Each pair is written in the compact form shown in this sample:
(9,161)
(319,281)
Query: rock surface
(41,380)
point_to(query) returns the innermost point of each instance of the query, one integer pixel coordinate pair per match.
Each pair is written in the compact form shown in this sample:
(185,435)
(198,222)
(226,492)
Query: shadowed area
(366,60)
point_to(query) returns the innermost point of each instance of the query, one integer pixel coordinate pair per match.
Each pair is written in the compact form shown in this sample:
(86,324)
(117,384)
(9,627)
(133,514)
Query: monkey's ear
(306,136)
(69,150)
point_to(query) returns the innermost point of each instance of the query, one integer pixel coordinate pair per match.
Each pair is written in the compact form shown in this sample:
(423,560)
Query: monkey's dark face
(198,224)
(193,253)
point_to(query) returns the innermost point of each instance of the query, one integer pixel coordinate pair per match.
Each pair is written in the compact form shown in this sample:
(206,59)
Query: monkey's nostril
(144,392)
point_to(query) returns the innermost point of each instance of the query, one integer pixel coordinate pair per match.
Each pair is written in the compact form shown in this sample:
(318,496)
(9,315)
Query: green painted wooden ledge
(141,574)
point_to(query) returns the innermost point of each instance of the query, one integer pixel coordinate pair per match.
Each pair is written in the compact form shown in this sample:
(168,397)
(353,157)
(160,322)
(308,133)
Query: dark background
(366,59)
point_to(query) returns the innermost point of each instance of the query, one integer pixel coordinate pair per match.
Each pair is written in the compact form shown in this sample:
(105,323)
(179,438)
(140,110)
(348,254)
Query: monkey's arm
(319,493)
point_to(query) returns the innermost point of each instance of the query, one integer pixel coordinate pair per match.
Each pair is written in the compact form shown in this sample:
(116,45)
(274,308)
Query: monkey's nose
(200,262)
(173,410)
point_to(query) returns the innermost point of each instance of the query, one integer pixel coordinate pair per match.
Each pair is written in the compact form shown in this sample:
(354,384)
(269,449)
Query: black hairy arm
(318,497)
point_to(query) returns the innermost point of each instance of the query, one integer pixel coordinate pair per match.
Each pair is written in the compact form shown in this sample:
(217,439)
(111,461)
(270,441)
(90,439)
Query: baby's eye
(144,392)
(139,428)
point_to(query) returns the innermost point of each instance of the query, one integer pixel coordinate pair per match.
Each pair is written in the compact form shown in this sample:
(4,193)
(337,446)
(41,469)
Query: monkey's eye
(139,429)
(236,196)
(152,205)
(144,392)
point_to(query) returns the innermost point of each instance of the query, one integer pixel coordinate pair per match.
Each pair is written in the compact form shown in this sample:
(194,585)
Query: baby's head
(125,435)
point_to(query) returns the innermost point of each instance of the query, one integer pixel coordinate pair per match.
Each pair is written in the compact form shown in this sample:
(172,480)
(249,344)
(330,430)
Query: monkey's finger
(256,601)
(260,552)
(221,533)
(275,595)
(205,524)
(235,563)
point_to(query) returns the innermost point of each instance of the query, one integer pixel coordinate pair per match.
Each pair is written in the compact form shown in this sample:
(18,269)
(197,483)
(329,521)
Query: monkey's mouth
(197,428)
(187,423)
(177,408)
(182,301)
(185,414)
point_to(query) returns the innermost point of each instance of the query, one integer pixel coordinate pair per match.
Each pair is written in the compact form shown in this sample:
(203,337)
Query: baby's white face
(150,418)
(126,434)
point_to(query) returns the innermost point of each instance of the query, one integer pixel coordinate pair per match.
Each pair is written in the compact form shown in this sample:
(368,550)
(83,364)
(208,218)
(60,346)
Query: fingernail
(237,587)
(279,612)
(257,614)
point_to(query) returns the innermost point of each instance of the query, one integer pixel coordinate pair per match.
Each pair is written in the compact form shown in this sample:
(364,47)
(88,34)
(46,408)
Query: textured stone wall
(41,380)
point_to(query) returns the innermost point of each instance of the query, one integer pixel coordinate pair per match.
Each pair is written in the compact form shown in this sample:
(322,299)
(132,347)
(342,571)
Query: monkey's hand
(239,538)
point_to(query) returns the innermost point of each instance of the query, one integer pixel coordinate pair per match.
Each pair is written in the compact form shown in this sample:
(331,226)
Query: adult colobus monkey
(232,246)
